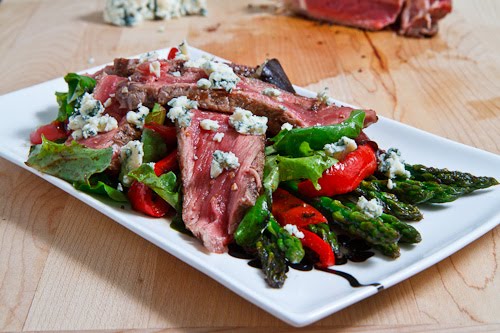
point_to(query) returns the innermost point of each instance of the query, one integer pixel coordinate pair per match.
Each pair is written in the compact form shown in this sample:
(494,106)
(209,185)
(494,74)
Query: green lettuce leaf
(154,146)
(73,163)
(310,167)
(165,186)
(77,86)
(102,188)
(156,115)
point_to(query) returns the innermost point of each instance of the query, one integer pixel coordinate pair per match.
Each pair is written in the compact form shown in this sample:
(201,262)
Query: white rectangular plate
(306,296)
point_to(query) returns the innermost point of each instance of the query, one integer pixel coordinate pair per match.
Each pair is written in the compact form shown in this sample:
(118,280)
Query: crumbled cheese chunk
(183,53)
(245,122)
(218,137)
(108,102)
(133,12)
(340,148)
(119,187)
(223,160)
(155,68)
(287,126)
(131,156)
(220,75)
(371,208)
(391,164)
(203,84)
(176,74)
(126,12)
(209,125)
(88,119)
(149,56)
(294,231)
(323,97)
(90,60)
(283,108)
(180,110)
(138,118)
(271,92)
(390,184)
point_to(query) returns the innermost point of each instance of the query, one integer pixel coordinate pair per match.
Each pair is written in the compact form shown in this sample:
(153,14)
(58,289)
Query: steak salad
(244,163)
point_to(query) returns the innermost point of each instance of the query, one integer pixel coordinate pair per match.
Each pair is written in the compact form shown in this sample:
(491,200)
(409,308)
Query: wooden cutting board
(64,266)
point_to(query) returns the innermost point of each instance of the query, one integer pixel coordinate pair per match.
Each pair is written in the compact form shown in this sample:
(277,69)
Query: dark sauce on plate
(354,250)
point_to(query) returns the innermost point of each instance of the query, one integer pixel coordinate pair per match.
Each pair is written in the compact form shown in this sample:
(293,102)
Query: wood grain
(64,266)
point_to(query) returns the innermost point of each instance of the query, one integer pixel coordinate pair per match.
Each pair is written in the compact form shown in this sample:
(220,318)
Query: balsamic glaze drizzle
(354,250)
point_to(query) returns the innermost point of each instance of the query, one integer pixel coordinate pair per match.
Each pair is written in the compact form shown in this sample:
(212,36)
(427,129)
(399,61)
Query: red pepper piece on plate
(54,131)
(167,164)
(168,133)
(344,176)
(289,209)
(318,246)
(171,54)
(143,199)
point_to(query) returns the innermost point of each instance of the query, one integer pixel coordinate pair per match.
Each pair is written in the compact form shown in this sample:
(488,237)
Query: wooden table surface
(64,266)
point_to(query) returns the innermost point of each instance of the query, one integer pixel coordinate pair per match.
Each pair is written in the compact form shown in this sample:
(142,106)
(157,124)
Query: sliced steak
(414,18)
(419,17)
(116,138)
(297,110)
(366,14)
(213,208)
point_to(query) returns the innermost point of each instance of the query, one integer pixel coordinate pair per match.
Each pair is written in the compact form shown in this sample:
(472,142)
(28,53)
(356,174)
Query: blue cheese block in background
(133,12)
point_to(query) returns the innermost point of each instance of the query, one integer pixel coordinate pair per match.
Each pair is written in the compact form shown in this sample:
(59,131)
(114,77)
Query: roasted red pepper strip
(318,246)
(289,209)
(344,176)
(172,53)
(167,164)
(53,131)
(143,199)
(168,133)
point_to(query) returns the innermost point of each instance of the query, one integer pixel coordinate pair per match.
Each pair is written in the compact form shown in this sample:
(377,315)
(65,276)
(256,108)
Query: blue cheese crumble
(372,207)
(180,111)
(209,125)
(133,12)
(222,160)
(149,56)
(340,148)
(294,231)
(183,53)
(391,164)
(218,137)
(131,156)
(220,75)
(245,122)
(88,119)
(138,118)
(203,84)
(271,92)
(155,68)
(287,126)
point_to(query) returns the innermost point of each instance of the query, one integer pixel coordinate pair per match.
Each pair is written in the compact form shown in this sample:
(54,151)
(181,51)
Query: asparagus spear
(408,233)
(392,205)
(272,260)
(389,250)
(253,223)
(417,192)
(448,177)
(323,230)
(372,230)
(288,244)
